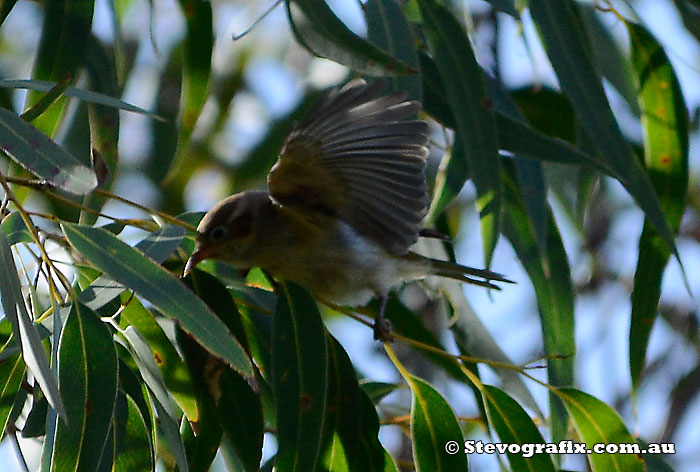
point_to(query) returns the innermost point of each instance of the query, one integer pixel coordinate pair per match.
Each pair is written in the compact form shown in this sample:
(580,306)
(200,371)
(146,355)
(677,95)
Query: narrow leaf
(473,113)
(597,423)
(175,374)
(376,391)
(81,94)
(172,436)
(37,153)
(514,426)
(135,451)
(148,368)
(197,57)
(356,420)
(11,374)
(299,379)
(131,268)
(665,128)
(318,29)
(570,54)
(16,231)
(24,328)
(47,100)
(87,372)
(157,246)
(550,276)
(450,179)
(388,28)
(5,9)
(234,402)
(433,424)
(66,25)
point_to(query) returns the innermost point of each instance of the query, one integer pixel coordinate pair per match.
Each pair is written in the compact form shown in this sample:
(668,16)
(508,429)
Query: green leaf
(475,124)
(612,63)
(320,31)
(157,246)
(103,121)
(514,135)
(134,446)
(24,328)
(130,267)
(87,373)
(506,6)
(569,52)
(35,424)
(197,54)
(597,423)
(16,231)
(450,179)
(66,25)
(433,424)
(48,99)
(174,371)
(474,339)
(530,173)
(665,128)
(158,393)
(547,110)
(81,94)
(550,276)
(388,28)
(690,13)
(235,404)
(148,368)
(11,374)
(5,9)
(37,153)
(514,426)
(376,391)
(172,436)
(389,464)
(299,379)
(354,415)
(201,448)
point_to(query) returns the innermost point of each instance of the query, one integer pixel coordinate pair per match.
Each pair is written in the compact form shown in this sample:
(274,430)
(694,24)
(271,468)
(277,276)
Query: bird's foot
(382,326)
(382,329)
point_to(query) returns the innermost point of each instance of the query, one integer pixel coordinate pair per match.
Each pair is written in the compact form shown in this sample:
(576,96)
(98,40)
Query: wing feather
(360,156)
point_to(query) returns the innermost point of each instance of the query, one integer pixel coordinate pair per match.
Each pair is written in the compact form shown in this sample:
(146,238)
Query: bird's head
(227,231)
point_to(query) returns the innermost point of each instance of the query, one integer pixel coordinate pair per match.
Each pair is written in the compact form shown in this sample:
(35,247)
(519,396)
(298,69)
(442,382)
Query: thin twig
(35,235)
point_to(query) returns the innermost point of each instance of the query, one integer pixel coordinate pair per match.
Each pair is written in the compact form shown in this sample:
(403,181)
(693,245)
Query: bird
(345,201)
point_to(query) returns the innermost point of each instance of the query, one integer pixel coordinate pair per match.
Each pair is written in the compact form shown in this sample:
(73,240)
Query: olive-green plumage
(344,204)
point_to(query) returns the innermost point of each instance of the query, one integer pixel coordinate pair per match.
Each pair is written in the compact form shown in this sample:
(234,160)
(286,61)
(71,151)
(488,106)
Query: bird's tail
(482,277)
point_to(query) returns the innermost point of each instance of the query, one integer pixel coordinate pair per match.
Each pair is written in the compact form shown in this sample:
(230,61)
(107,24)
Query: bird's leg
(382,326)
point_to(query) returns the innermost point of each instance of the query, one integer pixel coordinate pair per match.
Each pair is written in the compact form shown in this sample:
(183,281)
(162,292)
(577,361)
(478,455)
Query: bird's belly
(344,268)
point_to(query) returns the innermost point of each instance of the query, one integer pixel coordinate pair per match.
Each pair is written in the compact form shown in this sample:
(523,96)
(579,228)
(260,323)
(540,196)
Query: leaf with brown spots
(665,127)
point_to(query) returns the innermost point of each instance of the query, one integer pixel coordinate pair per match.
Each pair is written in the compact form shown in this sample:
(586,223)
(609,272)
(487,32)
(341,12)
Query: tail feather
(467,274)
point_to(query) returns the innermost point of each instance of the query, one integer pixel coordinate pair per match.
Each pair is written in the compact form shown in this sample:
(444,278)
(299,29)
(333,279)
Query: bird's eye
(218,233)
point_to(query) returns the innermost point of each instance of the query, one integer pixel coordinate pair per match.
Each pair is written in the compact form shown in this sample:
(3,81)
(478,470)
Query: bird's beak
(197,256)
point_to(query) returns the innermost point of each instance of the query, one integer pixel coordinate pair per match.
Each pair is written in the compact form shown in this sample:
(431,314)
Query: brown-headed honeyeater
(344,203)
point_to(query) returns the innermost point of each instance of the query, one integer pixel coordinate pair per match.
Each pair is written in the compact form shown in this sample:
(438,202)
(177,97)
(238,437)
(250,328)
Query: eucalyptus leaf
(37,153)
(136,271)
(24,328)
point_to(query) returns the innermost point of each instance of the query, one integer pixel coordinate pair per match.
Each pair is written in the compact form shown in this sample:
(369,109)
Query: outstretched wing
(359,156)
